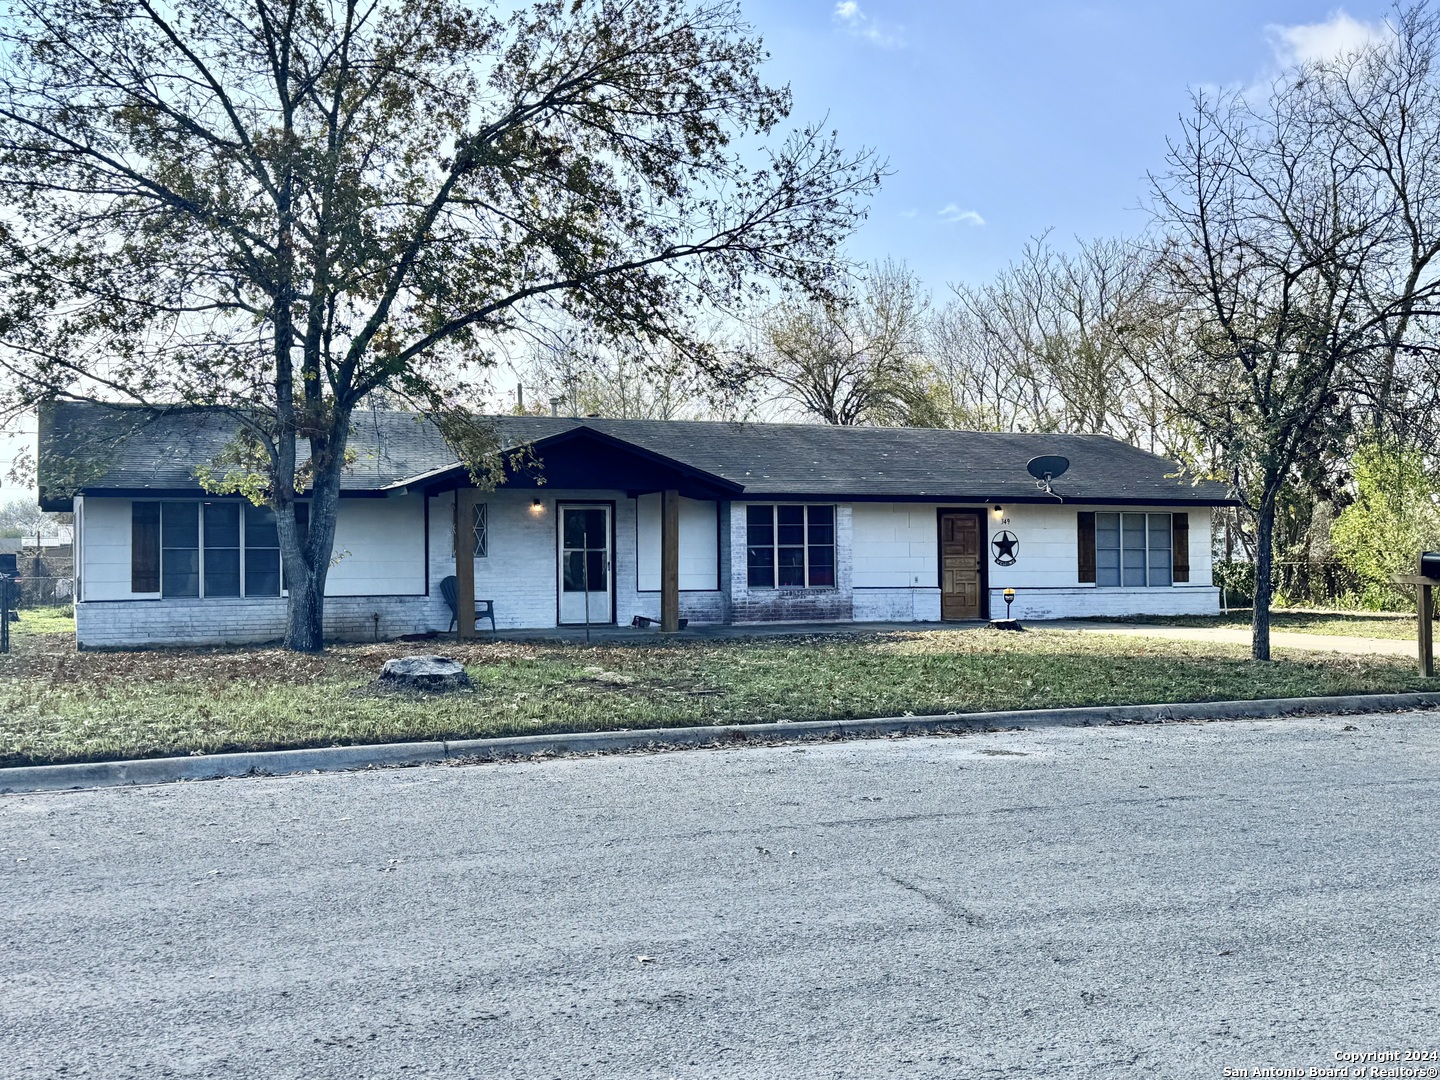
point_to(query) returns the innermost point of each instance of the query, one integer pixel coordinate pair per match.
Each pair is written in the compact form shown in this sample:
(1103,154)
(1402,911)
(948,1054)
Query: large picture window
(214,549)
(790,546)
(1134,550)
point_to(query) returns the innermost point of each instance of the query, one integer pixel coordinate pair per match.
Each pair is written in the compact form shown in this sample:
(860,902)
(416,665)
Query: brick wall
(1084,601)
(790,604)
(121,623)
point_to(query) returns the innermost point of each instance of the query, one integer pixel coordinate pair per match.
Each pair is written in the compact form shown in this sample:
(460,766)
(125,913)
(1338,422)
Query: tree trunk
(1264,559)
(305,617)
(305,624)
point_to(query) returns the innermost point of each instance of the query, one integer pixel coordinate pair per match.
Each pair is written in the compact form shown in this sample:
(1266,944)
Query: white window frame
(481,546)
(1120,516)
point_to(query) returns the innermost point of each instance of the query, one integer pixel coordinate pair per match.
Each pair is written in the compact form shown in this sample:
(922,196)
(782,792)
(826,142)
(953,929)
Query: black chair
(484,609)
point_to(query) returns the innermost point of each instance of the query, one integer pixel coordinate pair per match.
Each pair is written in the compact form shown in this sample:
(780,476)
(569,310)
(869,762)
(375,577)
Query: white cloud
(953,215)
(909,213)
(1336,36)
(858,24)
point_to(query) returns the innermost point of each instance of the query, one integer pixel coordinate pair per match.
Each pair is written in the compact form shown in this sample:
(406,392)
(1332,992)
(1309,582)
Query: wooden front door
(959,566)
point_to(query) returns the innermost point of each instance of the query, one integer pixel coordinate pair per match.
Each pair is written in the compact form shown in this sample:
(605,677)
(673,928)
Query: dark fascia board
(967,500)
(197,493)
(57,505)
(436,479)
(67,505)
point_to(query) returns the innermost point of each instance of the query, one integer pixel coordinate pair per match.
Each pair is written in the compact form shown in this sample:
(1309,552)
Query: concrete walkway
(1240,635)
(1230,635)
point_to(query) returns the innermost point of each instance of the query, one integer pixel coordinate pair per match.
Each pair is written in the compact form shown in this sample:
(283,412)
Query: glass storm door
(586,585)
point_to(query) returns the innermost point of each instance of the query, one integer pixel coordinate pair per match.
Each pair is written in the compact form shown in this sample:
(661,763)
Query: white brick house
(768,523)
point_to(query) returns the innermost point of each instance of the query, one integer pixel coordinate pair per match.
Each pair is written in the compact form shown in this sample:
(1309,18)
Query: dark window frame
(806,547)
(141,540)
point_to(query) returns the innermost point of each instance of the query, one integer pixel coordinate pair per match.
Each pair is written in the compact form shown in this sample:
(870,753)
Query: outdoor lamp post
(1009,595)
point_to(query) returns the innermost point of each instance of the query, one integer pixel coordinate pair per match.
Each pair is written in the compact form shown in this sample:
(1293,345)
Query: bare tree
(1382,104)
(1052,343)
(1282,240)
(624,380)
(854,359)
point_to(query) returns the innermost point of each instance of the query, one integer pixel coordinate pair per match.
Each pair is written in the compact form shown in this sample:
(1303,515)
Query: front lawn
(60,705)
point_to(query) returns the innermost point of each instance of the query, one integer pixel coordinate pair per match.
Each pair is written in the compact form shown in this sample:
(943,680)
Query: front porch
(599,533)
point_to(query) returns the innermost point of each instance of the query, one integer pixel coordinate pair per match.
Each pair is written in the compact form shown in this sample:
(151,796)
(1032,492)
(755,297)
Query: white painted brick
(887,570)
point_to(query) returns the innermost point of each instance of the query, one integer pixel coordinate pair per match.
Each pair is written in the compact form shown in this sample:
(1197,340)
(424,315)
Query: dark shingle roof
(129,449)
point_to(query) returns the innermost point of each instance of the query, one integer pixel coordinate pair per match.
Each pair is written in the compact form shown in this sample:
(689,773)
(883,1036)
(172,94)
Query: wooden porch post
(465,563)
(670,562)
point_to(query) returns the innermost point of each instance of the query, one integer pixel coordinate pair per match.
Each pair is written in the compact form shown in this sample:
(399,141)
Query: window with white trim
(1134,550)
(790,546)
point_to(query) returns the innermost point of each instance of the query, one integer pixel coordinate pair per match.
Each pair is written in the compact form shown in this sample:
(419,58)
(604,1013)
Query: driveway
(1240,635)
(1154,901)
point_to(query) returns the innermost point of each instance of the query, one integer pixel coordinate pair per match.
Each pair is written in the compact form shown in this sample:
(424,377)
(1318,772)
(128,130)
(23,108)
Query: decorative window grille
(482,532)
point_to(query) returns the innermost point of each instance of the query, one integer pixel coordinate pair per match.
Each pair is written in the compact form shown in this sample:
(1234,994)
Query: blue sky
(1000,120)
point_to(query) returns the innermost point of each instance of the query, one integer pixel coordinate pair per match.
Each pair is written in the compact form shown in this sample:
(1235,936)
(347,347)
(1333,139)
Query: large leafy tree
(282,207)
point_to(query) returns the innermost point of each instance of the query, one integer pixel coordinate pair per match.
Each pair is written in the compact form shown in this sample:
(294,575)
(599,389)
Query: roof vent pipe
(554,406)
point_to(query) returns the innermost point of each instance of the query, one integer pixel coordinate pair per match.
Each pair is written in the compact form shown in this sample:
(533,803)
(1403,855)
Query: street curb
(344,758)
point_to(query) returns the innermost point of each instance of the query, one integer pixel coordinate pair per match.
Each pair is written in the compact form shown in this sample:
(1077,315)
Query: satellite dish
(1045,468)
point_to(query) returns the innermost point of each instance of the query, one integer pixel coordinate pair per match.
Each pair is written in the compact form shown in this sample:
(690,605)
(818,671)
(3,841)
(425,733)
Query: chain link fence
(46,577)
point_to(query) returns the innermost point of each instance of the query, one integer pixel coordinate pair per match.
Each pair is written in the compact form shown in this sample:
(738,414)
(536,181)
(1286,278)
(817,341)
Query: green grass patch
(60,705)
(44,620)
(1387,624)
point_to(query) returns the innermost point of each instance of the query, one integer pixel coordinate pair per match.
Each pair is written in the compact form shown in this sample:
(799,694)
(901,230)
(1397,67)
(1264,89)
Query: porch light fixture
(997,508)
(536,506)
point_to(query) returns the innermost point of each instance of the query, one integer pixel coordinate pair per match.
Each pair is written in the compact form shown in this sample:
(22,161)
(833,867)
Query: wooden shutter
(144,547)
(1180,546)
(1086,534)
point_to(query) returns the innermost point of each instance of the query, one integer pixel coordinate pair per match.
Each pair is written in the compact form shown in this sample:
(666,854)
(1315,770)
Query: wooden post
(1425,616)
(465,564)
(1424,619)
(670,562)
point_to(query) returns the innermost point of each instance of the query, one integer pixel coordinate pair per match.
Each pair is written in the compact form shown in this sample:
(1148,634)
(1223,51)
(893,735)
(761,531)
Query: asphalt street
(1150,901)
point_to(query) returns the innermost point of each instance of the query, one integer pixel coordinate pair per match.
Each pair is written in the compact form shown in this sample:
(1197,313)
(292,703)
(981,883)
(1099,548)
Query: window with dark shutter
(145,547)
(1086,534)
(1180,547)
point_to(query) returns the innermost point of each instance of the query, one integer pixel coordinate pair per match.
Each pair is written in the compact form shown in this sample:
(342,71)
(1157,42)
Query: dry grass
(60,705)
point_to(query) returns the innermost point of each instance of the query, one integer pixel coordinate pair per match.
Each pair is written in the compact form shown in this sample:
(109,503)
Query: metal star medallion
(1006,547)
